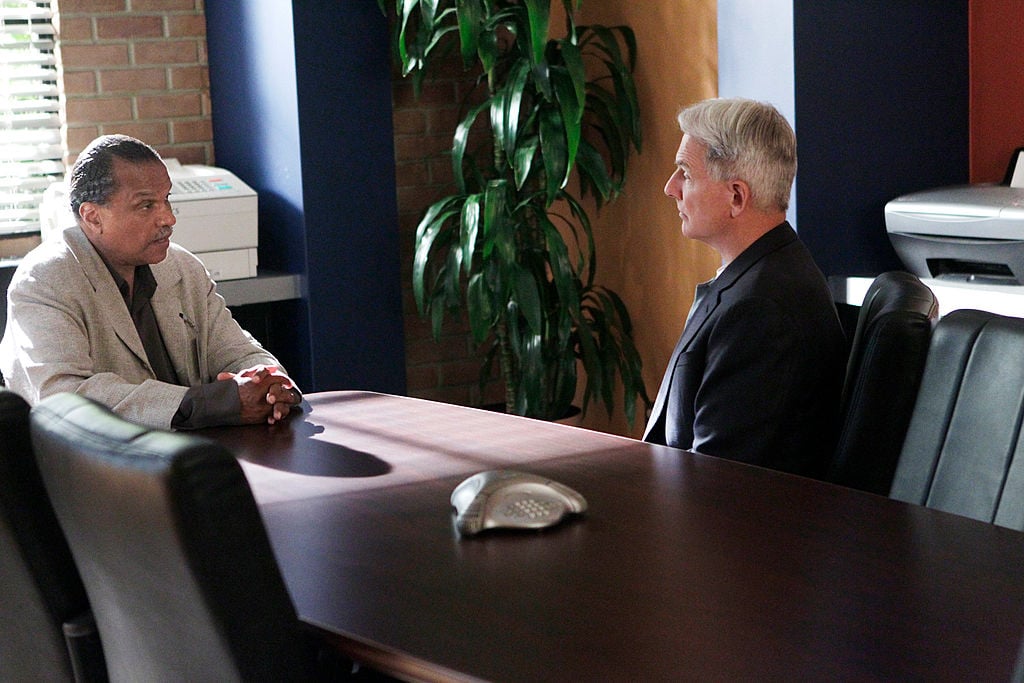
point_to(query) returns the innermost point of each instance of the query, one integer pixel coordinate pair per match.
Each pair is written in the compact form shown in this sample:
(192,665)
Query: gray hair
(746,140)
(92,177)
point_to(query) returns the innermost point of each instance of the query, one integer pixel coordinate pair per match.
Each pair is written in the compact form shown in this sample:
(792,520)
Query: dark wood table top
(685,567)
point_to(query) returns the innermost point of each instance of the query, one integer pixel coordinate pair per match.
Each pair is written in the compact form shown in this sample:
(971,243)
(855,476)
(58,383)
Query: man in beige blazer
(112,310)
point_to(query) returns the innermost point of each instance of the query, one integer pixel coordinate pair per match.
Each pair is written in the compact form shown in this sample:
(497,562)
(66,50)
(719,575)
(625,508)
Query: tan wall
(641,252)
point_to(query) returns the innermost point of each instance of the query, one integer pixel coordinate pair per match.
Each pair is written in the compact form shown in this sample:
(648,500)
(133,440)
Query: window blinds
(30,144)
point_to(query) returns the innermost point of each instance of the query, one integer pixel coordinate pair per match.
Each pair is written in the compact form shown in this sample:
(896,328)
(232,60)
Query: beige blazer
(69,330)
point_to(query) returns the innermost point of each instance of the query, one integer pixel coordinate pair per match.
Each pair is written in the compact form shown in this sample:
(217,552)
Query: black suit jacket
(757,372)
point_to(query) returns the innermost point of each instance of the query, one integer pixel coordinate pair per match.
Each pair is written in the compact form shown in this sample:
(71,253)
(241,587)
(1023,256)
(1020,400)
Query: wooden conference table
(685,567)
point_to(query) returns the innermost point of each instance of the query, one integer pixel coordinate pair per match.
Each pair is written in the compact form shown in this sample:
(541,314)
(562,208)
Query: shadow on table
(292,447)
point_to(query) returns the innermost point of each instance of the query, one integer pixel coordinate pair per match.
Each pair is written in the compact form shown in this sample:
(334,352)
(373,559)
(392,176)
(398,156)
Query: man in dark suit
(757,373)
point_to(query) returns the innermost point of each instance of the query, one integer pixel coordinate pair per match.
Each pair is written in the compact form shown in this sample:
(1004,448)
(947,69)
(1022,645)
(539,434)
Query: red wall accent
(996,42)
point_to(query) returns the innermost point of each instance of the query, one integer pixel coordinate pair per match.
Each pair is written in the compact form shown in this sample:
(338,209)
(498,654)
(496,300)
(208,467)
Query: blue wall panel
(881,110)
(301,96)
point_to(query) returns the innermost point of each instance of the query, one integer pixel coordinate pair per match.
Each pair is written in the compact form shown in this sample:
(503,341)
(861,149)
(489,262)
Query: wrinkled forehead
(692,153)
(141,177)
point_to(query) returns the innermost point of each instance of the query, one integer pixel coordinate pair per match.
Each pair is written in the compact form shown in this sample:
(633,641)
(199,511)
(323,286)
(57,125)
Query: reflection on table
(685,567)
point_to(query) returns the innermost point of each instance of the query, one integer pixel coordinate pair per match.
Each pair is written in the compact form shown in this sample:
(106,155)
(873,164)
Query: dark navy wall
(881,91)
(301,97)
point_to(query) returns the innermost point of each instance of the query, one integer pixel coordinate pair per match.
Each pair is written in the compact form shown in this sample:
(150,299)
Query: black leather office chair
(172,550)
(887,358)
(963,452)
(46,629)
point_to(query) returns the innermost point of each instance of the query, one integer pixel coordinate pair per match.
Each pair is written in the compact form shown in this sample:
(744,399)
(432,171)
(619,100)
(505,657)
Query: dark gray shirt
(206,405)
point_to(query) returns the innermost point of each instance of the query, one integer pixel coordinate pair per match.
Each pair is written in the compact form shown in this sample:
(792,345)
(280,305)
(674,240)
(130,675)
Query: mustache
(164,234)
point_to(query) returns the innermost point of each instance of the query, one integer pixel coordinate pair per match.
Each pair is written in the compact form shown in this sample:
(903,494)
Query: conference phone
(511,499)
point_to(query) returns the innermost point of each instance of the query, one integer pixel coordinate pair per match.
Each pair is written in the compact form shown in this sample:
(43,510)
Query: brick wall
(448,369)
(137,67)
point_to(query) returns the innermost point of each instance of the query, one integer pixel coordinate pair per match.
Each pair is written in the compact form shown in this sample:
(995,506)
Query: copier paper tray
(965,232)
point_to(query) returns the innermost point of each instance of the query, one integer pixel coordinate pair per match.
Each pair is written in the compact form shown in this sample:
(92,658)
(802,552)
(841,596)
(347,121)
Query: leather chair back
(40,589)
(171,547)
(963,452)
(887,357)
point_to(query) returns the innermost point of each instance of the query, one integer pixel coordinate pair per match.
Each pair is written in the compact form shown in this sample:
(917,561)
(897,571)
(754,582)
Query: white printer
(216,217)
(968,233)
(973,233)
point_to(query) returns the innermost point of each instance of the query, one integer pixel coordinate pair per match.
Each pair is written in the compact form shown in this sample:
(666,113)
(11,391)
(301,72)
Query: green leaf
(470,227)
(572,115)
(478,307)
(554,151)
(427,232)
(539,12)
(496,223)
(573,58)
(512,101)
(528,298)
(428,9)
(593,173)
(522,162)
(459,141)
(470,17)
(562,273)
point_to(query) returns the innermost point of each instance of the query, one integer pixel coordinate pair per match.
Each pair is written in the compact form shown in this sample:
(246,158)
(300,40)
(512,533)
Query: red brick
(98,110)
(200,130)
(133,80)
(442,119)
(83,56)
(73,28)
(185,25)
(190,78)
(466,372)
(169,106)
(425,376)
(187,154)
(166,5)
(128,27)
(410,122)
(433,93)
(166,52)
(411,174)
(67,7)
(151,132)
(420,146)
(441,172)
(79,82)
(77,138)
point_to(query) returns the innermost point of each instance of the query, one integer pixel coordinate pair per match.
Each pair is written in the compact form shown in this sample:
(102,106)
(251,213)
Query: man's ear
(90,218)
(740,197)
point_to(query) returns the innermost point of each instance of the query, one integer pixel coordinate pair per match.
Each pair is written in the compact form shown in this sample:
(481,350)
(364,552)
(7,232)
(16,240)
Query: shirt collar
(145,282)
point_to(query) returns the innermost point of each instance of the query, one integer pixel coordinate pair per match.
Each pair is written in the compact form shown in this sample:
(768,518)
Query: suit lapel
(179,336)
(774,239)
(705,302)
(108,297)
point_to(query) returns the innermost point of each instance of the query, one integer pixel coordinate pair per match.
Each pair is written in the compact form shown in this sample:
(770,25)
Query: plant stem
(507,360)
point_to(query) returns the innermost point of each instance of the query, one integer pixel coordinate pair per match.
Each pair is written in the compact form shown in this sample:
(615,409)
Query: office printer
(971,233)
(216,217)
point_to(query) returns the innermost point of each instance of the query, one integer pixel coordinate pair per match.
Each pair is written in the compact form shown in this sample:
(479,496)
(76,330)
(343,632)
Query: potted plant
(514,246)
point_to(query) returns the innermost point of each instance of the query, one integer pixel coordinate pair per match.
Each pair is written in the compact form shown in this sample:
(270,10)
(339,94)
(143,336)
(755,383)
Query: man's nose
(169,215)
(670,187)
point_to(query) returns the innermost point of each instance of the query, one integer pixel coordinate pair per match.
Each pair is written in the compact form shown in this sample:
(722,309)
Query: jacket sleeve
(223,345)
(47,349)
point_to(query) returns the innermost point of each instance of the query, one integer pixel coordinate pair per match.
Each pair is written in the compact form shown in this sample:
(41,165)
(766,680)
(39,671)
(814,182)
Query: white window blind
(30,144)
